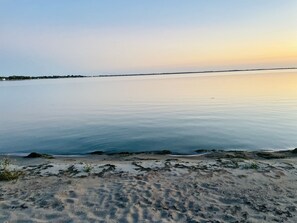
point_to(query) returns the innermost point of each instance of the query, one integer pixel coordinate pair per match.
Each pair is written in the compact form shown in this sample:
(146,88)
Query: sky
(114,36)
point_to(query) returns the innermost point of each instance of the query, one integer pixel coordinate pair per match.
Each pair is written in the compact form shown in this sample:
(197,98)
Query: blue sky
(116,36)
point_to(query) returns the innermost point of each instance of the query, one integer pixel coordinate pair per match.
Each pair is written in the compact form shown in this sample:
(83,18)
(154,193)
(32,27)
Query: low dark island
(17,78)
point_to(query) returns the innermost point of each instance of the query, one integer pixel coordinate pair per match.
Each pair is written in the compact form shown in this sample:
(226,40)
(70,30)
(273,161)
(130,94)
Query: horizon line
(162,73)
(193,72)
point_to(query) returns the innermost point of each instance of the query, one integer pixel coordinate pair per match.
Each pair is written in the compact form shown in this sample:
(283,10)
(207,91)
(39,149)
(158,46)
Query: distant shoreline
(199,72)
(21,77)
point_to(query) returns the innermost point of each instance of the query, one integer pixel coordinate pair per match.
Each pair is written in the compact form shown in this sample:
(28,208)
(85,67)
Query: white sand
(151,189)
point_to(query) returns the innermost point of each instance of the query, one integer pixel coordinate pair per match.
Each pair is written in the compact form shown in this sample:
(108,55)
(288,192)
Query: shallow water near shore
(181,113)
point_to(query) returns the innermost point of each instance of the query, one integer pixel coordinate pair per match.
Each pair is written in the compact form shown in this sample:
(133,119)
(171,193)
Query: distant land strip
(15,77)
(19,78)
(197,72)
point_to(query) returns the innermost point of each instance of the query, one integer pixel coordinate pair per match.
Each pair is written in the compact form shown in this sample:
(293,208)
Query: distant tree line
(16,78)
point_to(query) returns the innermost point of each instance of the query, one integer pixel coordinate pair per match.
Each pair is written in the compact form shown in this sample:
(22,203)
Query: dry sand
(151,188)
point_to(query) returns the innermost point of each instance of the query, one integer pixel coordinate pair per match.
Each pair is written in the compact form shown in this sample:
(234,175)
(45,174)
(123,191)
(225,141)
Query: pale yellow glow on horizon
(97,50)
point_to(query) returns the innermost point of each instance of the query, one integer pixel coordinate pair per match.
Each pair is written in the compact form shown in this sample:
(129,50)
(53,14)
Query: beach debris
(162,152)
(270,155)
(88,168)
(96,153)
(7,172)
(39,155)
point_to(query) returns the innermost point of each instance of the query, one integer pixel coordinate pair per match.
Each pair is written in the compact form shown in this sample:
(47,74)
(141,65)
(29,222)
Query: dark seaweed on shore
(206,153)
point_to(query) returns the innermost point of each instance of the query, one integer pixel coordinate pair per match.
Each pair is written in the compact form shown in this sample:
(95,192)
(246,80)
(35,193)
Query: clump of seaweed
(6,174)
(271,155)
(254,166)
(88,168)
(39,155)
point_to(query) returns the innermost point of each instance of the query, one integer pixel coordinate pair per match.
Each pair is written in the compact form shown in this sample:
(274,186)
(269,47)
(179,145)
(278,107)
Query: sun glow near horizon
(101,37)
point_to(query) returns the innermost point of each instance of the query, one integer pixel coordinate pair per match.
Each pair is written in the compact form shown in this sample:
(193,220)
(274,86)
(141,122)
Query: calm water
(182,113)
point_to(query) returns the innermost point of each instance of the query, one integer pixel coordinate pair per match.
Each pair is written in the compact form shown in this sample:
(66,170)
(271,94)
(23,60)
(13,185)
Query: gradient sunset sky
(132,36)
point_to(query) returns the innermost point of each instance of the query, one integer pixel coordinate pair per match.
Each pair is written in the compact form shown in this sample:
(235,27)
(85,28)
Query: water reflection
(251,110)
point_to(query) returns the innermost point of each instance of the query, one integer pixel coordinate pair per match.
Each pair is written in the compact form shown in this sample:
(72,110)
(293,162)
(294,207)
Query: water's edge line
(161,153)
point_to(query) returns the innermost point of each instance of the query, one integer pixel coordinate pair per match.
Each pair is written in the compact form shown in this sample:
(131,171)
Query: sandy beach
(212,187)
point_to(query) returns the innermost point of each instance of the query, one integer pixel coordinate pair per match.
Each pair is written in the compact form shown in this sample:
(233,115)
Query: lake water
(181,113)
